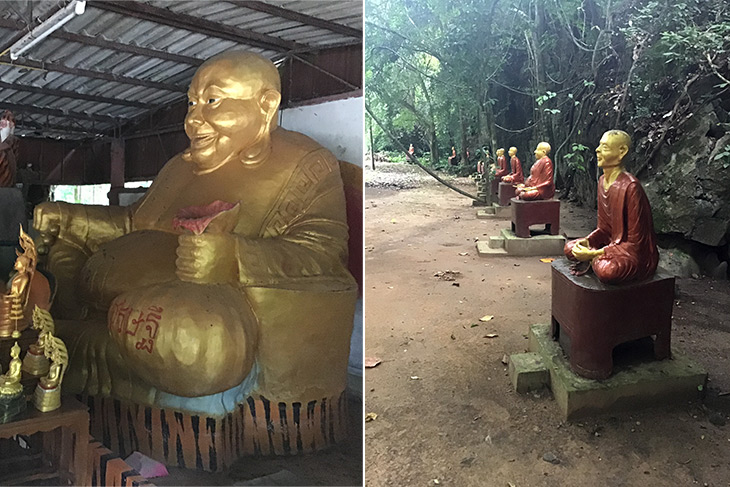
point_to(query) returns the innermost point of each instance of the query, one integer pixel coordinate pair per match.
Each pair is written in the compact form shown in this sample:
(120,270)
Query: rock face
(689,186)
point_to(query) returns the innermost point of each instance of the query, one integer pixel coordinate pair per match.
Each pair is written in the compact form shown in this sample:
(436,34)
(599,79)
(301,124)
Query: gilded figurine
(48,391)
(35,362)
(26,288)
(12,399)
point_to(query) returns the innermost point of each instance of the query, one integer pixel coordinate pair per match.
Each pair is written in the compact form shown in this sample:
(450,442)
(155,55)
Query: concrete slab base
(494,211)
(632,385)
(539,245)
(527,372)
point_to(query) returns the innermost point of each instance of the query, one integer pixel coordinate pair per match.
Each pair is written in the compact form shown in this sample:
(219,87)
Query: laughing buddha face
(232,105)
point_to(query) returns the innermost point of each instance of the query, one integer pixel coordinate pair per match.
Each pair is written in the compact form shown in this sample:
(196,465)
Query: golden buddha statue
(10,381)
(26,288)
(47,395)
(264,305)
(35,361)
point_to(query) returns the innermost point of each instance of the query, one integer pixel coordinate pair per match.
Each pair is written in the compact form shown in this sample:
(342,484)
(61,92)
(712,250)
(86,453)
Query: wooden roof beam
(299,17)
(177,20)
(61,68)
(57,112)
(74,95)
(106,44)
(30,124)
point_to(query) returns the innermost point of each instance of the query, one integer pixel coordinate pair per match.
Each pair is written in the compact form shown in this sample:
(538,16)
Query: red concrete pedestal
(505,192)
(495,187)
(536,212)
(590,318)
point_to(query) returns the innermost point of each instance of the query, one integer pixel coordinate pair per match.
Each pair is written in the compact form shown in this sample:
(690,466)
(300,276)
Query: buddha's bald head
(543,149)
(612,148)
(243,75)
(232,105)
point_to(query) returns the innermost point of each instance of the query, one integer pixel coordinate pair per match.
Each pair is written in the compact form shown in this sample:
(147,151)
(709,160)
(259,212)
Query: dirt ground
(446,412)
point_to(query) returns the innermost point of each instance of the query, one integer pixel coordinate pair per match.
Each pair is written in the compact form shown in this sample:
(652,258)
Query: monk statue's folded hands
(583,252)
(207,258)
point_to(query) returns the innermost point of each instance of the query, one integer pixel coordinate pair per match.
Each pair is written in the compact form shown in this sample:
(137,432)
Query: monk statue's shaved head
(621,137)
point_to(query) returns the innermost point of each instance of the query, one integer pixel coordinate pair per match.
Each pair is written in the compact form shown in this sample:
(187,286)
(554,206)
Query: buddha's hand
(47,220)
(583,252)
(207,258)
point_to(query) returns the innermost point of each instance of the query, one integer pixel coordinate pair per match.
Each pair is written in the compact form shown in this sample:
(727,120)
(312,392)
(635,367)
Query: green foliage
(576,158)
(724,157)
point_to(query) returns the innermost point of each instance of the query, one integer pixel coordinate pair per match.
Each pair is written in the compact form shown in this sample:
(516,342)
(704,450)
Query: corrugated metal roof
(75,65)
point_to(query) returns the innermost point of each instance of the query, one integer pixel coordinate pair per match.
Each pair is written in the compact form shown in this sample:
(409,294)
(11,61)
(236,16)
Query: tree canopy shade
(498,73)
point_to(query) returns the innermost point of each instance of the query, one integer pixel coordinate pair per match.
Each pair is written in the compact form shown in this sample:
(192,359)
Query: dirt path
(446,410)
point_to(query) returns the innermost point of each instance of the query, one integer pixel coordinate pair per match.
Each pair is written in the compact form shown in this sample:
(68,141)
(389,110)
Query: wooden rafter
(52,126)
(57,112)
(72,94)
(195,24)
(88,73)
(299,17)
(106,44)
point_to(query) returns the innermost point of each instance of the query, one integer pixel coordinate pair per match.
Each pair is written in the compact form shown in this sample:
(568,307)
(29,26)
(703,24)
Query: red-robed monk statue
(502,169)
(8,150)
(515,176)
(539,185)
(623,247)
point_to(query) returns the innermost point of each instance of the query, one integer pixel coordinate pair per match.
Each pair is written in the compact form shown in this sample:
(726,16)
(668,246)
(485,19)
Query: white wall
(337,125)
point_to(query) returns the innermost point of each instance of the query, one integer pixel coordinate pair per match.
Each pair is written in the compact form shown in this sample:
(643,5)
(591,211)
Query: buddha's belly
(130,262)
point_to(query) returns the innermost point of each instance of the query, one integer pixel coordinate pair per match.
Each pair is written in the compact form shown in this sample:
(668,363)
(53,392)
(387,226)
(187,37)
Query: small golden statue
(35,362)
(24,286)
(48,391)
(12,400)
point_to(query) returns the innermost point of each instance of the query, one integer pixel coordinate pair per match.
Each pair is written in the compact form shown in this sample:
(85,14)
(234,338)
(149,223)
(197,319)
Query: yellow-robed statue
(228,275)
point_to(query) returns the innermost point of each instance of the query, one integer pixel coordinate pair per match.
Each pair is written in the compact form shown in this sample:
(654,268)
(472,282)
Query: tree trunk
(464,141)
(372,146)
(433,145)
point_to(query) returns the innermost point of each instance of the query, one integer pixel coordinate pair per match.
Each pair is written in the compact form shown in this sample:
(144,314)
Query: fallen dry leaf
(415,377)
(371,417)
(463,253)
(547,259)
(486,318)
(447,275)
(491,335)
(371,362)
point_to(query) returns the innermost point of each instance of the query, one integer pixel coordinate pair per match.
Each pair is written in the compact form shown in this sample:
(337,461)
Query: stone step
(487,212)
(631,387)
(496,242)
(484,250)
(527,372)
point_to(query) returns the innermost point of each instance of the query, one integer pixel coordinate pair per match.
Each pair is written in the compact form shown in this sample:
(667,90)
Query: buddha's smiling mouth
(202,140)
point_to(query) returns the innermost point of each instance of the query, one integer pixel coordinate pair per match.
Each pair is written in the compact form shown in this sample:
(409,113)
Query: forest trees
(514,72)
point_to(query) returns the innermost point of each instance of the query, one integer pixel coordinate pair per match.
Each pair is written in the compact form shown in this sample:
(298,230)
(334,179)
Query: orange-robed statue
(539,185)
(502,168)
(515,176)
(623,247)
(9,145)
(229,274)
